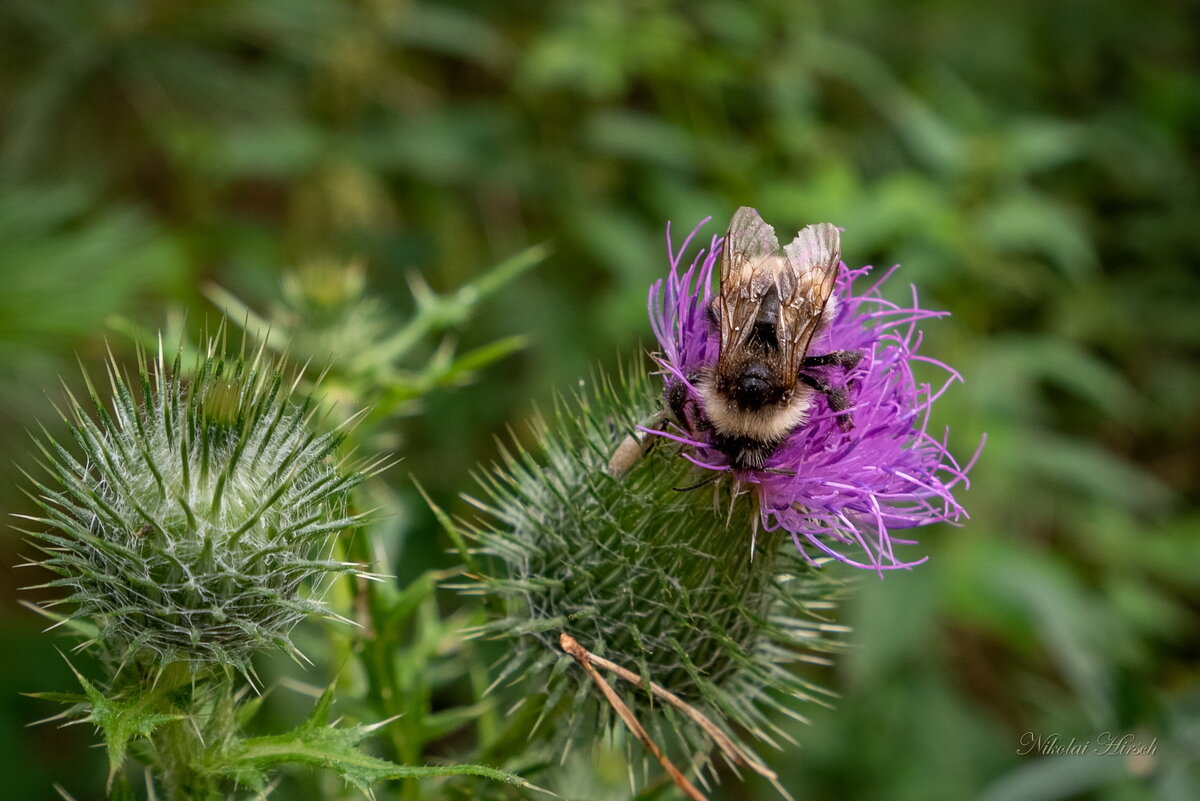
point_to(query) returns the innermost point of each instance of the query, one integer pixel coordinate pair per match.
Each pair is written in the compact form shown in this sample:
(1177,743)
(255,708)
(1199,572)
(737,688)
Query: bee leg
(698,485)
(678,402)
(842,358)
(684,408)
(839,399)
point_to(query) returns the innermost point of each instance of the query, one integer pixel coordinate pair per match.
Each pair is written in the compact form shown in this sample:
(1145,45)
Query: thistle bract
(200,511)
(647,576)
(836,494)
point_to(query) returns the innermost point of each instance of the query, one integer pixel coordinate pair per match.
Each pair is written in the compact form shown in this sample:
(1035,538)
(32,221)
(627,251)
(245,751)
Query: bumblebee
(773,301)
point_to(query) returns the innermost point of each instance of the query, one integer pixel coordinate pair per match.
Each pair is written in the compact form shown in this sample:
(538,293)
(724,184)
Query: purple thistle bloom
(831,490)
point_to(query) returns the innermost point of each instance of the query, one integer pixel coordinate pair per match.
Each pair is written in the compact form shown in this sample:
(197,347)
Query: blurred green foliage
(1032,165)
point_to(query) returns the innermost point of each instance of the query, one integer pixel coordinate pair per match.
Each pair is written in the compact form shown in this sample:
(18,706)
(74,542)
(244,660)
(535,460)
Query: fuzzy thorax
(771,423)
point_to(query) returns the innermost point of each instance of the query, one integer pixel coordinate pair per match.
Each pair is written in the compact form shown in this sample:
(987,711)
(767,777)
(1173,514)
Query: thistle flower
(643,576)
(197,515)
(832,491)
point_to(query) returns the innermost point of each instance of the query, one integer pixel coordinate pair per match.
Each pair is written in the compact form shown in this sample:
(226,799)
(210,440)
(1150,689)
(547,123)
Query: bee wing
(813,259)
(748,271)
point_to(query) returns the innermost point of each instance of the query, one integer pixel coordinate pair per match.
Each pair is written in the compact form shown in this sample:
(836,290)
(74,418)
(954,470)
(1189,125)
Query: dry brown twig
(730,749)
(732,752)
(584,658)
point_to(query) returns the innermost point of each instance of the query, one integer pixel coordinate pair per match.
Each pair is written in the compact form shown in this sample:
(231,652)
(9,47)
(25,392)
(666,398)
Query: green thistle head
(197,523)
(596,540)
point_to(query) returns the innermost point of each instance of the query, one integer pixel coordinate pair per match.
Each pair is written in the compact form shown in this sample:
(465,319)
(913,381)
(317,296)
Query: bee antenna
(703,483)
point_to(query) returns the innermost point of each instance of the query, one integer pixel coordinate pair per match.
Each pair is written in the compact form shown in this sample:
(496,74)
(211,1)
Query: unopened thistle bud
(196,523)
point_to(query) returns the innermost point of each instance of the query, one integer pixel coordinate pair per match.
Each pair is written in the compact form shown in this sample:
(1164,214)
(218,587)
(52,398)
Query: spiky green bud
(195,521)
(616,548)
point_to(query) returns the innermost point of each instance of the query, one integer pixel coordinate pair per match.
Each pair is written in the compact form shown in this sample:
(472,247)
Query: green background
(1031,165)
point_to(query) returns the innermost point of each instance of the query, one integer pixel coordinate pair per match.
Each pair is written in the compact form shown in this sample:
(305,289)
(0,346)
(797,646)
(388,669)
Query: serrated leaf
(121,721)
(317,743)
(334,749)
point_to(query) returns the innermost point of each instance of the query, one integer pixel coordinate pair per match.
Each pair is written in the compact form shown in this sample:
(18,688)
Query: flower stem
(182,748)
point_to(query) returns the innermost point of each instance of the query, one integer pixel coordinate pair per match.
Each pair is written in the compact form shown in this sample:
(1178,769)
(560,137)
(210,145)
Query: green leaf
(1075,369)
(452,531)
(121,721)
(1024,222)
(443,29)
(444,722)
(1095,472)
(318,744)
(641,138)
(1059,777)
(437,311)
(402,607)
(484,355)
